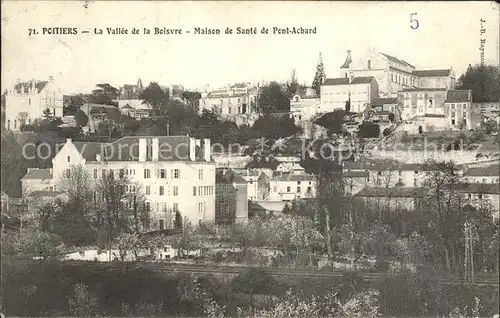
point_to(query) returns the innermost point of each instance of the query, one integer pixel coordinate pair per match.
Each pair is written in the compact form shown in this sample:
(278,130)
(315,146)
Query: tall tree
(319,77)
(155,97)
(192,99)
(104,94)
(81,118)
(73,217)
(292,87)
(273,99)
(483,80)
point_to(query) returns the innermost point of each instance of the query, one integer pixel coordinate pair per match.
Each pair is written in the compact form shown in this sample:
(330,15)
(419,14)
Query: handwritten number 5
(414,22)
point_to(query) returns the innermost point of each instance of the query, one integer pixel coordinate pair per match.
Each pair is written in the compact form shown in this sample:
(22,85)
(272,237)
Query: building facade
(231,101)
(173,173)
(393,74)
(292,187)
(28,101)
(421,101)
(458,109)
(337,92)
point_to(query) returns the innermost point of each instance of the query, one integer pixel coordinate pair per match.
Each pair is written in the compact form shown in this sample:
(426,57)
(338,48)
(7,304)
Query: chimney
(207,150)
(192,149)
(155,149)
(142,149)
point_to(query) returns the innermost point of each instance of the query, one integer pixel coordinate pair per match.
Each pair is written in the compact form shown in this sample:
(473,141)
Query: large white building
(336,92)
(174,173)
(27,101)
(393,74)
(234,102)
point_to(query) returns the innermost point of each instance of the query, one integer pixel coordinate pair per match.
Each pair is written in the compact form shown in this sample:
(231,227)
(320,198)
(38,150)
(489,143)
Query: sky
(448,35)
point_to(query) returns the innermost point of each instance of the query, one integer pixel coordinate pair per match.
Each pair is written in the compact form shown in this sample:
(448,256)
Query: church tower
(139,85)
(344,69)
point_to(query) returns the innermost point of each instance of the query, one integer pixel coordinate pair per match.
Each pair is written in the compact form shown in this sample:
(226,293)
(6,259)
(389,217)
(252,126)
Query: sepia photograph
(250,159)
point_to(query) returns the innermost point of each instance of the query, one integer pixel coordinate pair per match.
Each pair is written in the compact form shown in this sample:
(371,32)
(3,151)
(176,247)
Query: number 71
(413,21)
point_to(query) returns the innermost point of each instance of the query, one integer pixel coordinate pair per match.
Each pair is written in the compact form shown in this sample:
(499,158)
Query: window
(175,207)
(416,171)
(103,173)
(8,124)
(201,207)
(95,173)
(122,173)
(484,180)
(163,174)
(194,191)
(147,205)
(15,123)
(148,190)
(68,173)
(288,189)
(162,190)
(298,182)
(298,189)
(175,190)
(69,159)
(200,174)
(453,121)
(177,173)
(147,173)
(229,110)
(480,196)
(369,64)
(200,190)
(162,224)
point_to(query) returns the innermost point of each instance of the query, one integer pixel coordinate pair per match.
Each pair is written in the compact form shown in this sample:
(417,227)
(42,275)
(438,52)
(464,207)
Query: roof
(394,59)
(171,148)
(398,192)
(363,80)
(423,90)
(336,81)
(432,73)
(484,188)
(294,177)
(488,171)
(38,174)
(44,193)
(356,174)
(384,101)
(458,96)
(386,166)
(39,85)
(345,81)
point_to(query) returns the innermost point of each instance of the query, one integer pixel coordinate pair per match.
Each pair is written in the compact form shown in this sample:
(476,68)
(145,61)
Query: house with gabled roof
(27,101)
(174,173)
